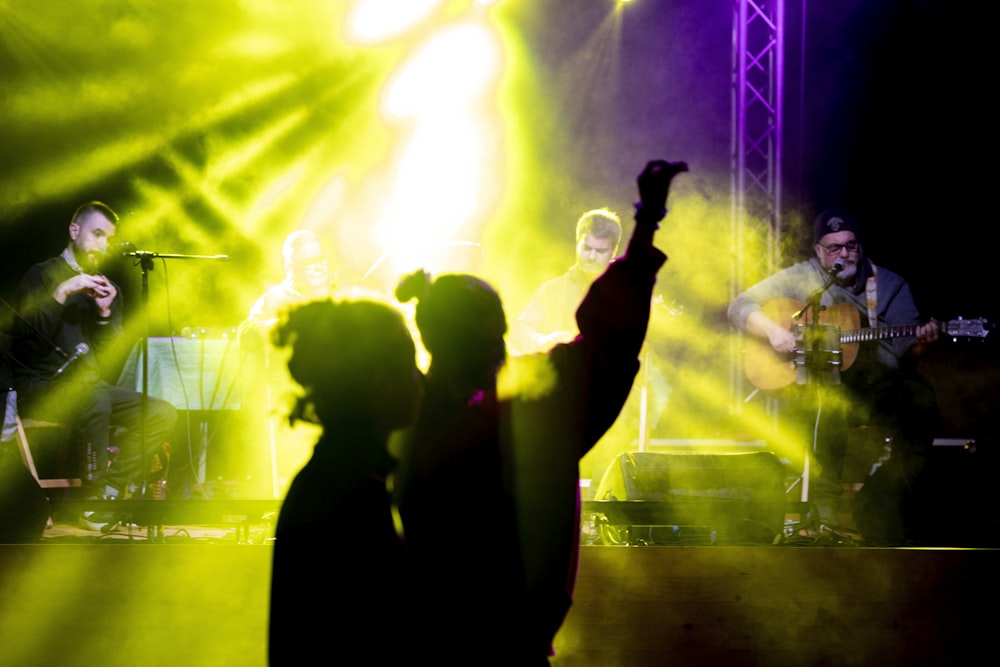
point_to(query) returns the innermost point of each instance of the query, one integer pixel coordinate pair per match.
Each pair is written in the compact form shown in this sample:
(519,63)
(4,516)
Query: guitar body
(767,369)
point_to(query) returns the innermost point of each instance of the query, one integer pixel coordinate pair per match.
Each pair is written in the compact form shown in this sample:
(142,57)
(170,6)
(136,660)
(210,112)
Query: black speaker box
(660,498)
(949,502)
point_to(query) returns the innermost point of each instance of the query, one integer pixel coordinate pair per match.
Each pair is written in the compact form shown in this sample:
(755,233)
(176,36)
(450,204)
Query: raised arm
(654,186)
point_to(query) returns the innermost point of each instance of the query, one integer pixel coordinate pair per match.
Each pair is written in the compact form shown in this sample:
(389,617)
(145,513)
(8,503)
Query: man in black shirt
(70,318)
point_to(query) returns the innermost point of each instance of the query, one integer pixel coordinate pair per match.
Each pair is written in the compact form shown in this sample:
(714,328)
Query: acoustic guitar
(767,369)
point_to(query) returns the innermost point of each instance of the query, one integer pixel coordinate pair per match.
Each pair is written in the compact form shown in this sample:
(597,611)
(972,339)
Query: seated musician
(549,318)
(880,386)
(70,317)
(307,278)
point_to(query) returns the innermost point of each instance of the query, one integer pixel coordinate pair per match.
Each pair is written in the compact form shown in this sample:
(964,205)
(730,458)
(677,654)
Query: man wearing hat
(838,386)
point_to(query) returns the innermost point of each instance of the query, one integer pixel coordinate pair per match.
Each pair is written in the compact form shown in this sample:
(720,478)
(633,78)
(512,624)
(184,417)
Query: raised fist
(654,184)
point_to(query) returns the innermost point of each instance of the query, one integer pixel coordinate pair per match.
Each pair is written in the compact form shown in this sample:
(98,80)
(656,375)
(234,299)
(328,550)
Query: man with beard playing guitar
(875,382)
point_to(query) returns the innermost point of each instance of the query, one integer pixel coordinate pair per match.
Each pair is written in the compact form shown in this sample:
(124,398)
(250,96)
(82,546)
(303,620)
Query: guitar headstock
(977,328)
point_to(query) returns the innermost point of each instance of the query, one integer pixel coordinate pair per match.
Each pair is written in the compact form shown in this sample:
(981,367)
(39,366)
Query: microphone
(124,248)
(837,267)
(81,349)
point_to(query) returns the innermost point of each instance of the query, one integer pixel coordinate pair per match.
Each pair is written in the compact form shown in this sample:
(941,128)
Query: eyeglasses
(835,248)
(313,262)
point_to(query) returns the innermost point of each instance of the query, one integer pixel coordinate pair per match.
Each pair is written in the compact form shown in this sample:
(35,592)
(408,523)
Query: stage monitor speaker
(656,498)
(948,501)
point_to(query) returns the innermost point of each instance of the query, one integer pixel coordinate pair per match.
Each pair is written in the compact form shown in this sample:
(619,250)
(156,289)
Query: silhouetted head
(462,324)
(356,361)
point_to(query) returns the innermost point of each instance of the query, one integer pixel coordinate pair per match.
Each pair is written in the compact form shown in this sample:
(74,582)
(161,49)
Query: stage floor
(166,521)
(200,598)
(188,583)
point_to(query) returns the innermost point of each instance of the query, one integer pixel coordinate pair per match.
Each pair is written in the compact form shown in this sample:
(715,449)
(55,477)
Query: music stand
(144,259)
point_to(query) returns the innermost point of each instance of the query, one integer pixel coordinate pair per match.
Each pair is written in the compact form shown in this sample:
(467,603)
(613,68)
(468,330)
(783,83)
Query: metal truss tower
(756,151)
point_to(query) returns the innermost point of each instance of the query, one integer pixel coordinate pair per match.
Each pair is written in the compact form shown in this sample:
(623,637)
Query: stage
(198,594)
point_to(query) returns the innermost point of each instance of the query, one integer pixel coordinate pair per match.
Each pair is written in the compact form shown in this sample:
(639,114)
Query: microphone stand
(808,360)
(812,303)
(812,337)
(144,259)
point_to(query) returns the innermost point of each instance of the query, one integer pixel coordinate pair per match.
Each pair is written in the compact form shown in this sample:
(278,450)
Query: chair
(13,426)
(18,428)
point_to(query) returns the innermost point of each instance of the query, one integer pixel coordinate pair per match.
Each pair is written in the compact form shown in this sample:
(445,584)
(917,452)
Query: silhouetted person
(488,484)
(341,579)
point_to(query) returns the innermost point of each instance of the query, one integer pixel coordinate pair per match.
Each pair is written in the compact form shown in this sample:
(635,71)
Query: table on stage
(200,376)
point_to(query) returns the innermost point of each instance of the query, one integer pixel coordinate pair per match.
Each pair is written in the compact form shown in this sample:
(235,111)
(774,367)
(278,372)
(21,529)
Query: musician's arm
(747,310)
(930,332)
(926,335)
(747,314)
(781,338)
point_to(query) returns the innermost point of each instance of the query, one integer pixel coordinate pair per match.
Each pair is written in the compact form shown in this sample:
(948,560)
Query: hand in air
(654,183)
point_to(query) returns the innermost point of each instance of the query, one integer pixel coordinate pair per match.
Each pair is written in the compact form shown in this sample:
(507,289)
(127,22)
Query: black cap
(834,220)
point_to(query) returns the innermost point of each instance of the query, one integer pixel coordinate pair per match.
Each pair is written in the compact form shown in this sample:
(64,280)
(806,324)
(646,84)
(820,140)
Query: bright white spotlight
(456,66)
(378,20)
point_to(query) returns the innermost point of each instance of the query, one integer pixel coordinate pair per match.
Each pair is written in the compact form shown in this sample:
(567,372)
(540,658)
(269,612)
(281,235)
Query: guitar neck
(877,333)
